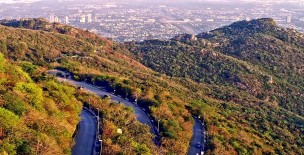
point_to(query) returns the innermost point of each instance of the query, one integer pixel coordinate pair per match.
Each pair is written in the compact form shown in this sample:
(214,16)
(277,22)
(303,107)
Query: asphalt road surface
(86,134)
(141,116)
(197,138)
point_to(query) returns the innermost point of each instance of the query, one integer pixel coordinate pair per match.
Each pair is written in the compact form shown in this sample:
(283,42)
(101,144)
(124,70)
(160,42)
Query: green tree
(33,93)
(8,119)
(28,67)
(14,103)
(3,47)
(1,62)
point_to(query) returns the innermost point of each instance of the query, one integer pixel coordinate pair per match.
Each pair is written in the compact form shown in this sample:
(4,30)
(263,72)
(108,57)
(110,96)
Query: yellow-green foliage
(32,119)
(33,93)
(1,62)
(8,119)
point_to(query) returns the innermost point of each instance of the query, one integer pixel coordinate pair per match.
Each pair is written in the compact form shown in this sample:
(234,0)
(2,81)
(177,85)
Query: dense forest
(245,79)
(255,69)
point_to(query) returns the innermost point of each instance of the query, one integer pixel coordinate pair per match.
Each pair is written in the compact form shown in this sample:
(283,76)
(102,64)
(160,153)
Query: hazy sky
(158,1)
(14,1)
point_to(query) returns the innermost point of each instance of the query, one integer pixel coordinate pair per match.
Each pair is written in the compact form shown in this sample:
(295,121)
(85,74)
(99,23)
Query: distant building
(210,20)
(151,20)
(53,18)
(66,19)
(288,19)
(89,18)
(94,31)
(82,19)
(198,20)
(95,19)
(187,20)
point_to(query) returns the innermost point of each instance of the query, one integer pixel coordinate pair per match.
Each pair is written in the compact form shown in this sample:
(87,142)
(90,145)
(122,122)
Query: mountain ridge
(252,50)
(249,106)
(246,63)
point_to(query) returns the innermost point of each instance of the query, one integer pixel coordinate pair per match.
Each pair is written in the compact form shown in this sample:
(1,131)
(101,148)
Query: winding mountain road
(141,116)
(86,134)
(197,141)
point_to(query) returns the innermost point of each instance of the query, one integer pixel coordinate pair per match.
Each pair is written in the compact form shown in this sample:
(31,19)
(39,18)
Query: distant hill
(256,56)
(248,63)
(44,25)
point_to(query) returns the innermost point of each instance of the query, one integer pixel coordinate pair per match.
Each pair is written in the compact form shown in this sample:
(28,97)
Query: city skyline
(125,21)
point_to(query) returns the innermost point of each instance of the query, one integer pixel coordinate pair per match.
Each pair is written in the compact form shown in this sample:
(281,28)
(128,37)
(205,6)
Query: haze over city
(158,19)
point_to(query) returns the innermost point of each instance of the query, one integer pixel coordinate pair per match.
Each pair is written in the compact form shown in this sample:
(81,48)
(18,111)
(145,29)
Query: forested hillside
(254,68)
(245,80)
(96,62)
(37,114)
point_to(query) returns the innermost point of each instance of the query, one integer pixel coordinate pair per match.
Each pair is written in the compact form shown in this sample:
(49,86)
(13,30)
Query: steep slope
(236,55)
(277,52)
(37,115)
(99,64)
(255,71)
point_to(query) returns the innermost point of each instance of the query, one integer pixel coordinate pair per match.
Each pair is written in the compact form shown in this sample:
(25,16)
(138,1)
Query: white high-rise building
(66,19)
(89,18)
(95,19)
(288,19)
(56,19)
(53,18)
(82,19)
